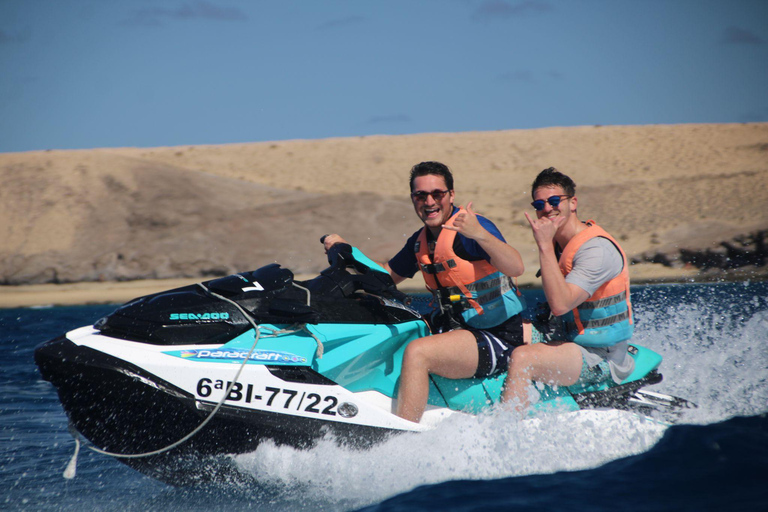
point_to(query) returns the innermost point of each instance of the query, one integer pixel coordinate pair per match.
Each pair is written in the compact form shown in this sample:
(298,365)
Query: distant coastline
(90,293)
(83,225)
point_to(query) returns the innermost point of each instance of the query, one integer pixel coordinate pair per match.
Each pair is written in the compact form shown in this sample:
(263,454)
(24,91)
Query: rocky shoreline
(744,255)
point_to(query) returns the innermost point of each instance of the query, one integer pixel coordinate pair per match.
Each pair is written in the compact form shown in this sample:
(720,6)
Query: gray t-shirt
(595,263)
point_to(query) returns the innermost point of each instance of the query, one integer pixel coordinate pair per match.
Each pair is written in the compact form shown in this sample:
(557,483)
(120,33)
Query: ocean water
(714,340)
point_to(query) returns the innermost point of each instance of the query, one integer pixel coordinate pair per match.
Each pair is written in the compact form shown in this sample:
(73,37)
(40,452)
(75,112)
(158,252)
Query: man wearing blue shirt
(469,268)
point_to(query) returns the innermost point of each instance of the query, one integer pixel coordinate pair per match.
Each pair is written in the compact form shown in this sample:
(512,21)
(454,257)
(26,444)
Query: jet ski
(215,368)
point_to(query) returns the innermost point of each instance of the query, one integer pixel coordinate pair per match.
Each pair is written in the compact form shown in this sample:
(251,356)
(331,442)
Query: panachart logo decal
(237,356)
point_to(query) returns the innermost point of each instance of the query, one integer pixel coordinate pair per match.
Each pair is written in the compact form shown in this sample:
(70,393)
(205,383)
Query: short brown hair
(432,168)
(553,177)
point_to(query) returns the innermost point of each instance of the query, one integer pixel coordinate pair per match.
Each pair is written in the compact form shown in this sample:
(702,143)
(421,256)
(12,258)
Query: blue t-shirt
(404,262)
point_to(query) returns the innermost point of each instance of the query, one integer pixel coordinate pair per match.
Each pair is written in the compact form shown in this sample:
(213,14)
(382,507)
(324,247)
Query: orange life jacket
(489,297)
(605,318)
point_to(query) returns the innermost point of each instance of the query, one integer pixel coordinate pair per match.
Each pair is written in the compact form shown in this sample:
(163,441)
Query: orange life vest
(605,318)
(490,297)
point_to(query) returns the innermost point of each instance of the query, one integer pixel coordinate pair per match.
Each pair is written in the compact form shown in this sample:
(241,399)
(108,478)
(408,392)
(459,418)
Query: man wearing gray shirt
(586,283)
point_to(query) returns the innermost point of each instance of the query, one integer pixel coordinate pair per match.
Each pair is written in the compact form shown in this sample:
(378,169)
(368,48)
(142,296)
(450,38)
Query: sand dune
(108,215)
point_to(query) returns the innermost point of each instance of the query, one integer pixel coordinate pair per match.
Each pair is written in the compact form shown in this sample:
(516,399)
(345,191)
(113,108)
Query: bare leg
(527,332)
(452,354)
(552,363)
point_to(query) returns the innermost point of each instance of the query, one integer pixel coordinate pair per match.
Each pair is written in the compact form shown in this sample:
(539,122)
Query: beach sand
(70,294)
(107,225)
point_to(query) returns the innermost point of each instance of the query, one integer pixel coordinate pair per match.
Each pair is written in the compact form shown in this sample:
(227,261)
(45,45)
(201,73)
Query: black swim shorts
(495,345)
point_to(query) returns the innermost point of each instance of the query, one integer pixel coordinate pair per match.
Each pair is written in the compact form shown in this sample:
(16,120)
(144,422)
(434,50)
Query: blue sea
(714,340)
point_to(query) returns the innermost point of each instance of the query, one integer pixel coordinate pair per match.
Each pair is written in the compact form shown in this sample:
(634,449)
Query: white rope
(198,428)
(309,294)
(71,469)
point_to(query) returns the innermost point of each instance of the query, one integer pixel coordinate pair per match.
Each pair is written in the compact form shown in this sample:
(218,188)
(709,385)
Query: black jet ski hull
(124,410)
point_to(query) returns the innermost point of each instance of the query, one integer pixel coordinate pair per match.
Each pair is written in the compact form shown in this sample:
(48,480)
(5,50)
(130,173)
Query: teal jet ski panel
(296,348)
(645,361)
(467,395)
(358,255)
(366,357)
(474,395)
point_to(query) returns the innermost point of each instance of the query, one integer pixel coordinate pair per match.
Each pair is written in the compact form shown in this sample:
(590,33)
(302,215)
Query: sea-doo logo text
(199,316)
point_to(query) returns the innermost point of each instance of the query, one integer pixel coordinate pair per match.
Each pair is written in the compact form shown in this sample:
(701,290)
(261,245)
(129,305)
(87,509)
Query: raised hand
(467,224)
(544,228)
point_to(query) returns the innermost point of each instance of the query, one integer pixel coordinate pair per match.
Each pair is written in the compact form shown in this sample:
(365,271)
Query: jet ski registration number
(280,398)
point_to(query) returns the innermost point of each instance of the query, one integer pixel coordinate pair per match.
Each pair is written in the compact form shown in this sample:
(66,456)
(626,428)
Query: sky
(80,74)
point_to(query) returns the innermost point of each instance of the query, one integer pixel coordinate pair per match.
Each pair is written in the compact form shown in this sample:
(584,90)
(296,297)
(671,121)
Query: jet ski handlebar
(370,276)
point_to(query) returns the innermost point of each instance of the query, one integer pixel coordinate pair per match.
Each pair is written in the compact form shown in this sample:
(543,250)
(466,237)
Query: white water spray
(713,355)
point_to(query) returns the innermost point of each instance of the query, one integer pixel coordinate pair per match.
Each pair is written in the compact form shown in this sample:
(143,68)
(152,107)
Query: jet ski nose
(50,355)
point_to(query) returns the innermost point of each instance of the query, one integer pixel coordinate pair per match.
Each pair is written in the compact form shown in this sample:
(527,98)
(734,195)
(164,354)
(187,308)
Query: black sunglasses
(421,195)
(554,201)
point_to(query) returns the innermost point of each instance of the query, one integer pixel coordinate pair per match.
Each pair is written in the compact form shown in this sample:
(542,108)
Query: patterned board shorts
(589,375)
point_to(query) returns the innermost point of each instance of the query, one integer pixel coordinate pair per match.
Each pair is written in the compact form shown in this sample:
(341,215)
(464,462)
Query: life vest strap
(436,268)
(497,285)
(604,302)
(505,283)
(599,322)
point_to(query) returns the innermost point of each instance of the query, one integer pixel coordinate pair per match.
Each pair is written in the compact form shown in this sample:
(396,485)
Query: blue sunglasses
(554,201)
